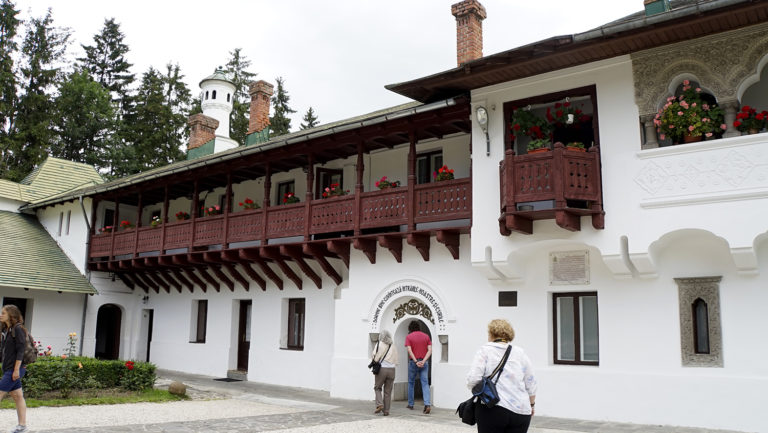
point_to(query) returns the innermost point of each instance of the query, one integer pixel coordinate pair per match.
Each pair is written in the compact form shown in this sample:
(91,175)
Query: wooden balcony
(563,185)
(318,229)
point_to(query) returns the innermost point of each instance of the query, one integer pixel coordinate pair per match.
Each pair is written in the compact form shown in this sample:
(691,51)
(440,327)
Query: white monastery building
(537,185)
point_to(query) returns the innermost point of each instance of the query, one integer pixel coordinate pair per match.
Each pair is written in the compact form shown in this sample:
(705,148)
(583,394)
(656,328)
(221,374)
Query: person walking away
(14,337)
(385,353)
(419,351)
(516,386)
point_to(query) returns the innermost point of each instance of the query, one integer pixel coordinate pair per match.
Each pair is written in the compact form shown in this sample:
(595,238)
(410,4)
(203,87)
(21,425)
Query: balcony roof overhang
(690,19)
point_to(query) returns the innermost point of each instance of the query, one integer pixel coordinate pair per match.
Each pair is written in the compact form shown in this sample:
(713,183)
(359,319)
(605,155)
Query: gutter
(489,262)
(624,247)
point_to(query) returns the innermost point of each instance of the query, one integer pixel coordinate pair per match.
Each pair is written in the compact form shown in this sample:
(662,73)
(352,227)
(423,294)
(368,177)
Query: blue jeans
(423,374)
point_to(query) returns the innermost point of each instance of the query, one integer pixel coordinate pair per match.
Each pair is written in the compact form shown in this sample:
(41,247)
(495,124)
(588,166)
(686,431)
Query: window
(296,324)
(213,95)
(109,218)
(325,178)
(69,218)
(222,200)
(61,222)
(575,328)
(227,97)
(199,320)
(206,95)
(284,188)
(427,164)
(700,335)
(155,213)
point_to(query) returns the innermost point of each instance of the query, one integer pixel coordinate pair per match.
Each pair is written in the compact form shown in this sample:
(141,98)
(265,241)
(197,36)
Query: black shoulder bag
(482,392)
(375,366)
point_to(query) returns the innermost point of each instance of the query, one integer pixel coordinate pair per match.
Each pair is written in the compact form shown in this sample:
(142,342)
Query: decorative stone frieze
(414,307)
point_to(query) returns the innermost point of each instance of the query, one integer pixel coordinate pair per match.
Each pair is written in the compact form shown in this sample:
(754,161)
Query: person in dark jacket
(14,337)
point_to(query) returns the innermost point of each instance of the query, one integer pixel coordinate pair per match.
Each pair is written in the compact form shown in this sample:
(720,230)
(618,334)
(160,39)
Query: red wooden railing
(440,201)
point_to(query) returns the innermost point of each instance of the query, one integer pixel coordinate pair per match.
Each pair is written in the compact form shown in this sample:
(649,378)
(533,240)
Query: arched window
(227,97)
(213,95)
(700,326)
(206,95)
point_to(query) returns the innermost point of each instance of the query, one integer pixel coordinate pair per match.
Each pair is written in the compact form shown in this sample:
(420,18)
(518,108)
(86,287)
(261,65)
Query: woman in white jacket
(516,385)
(386,353)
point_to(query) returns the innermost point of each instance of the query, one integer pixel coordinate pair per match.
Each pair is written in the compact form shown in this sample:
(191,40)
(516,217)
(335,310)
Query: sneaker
(20,429)
(427,409)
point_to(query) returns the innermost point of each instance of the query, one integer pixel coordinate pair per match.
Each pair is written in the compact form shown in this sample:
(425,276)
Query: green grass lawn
(98,397)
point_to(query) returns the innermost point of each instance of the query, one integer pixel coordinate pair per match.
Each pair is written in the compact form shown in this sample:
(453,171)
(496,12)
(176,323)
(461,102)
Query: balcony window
(284,188)
(427,164)
(327,177)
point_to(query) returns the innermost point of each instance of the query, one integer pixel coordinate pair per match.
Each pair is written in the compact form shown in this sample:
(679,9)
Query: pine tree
(85,121)
(280,123)
(8,27)
(105,60)
(43,49)
(241,104)
(310,119)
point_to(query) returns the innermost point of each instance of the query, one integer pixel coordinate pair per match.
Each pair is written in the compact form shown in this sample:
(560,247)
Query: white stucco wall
(73,243)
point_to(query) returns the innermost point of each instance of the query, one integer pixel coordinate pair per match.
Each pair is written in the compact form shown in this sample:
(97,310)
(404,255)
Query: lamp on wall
(481,115)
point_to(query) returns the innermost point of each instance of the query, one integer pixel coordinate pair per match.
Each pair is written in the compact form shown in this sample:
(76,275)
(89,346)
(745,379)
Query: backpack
(30,351)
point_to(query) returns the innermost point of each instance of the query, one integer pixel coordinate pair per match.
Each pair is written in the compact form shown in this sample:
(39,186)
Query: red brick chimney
(469,30)
(260,92)
(202,129)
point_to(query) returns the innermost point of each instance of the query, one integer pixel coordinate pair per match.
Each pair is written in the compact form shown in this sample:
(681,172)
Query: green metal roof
(30,258)
(55,176)
(11,190)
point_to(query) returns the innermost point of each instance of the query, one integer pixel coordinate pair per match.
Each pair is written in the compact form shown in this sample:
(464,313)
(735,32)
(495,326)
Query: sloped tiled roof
(30,258)
(10,190)
(54,176)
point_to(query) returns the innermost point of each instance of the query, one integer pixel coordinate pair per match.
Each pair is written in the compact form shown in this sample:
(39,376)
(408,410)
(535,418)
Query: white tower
(216,95)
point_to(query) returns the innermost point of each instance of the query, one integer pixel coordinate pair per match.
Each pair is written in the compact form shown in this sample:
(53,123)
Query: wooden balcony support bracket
(296,254)
(158,281)
(568,220)
(137,281)
(451,240)
(273,254)
(207,277)
(519,224)
(394,244)
(421,242)
(213,257)
(138,264)
(222,277)
(179,276)
(125,279)
(237,276)
(147,281)
(367,246)
(316,251)
(253,256)
(170,279)
(253,275)
(341,249)
(190,273)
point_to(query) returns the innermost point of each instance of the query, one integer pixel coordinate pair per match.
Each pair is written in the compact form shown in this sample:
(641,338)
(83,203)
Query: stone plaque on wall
(568,267)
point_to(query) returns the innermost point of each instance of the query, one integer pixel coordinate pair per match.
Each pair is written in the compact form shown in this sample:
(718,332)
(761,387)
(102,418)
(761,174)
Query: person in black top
(14,337)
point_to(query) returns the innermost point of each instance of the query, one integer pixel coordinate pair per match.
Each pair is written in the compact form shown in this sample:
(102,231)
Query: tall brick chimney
(260,92)
(469,30)
(202,129)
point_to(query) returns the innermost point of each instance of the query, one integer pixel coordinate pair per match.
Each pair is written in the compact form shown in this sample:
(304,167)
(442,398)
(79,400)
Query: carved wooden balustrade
(434,202)
(563,185)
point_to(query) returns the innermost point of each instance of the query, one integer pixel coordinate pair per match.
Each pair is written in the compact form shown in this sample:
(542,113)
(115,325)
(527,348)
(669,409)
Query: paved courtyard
(249,407)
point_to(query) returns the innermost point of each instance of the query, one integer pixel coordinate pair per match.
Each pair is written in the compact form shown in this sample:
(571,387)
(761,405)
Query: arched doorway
(401,377)
(108,323)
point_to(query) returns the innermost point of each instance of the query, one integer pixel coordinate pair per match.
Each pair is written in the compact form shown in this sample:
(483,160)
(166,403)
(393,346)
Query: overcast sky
(335,56)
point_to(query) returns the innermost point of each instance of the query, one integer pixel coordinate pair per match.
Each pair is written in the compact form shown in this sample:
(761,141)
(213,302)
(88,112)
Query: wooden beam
(147,282)
(367,246)
(252,255)
(195,279)
(341,249)
(157,280)
(138,282)
(179,276)
(170,279)
(421,242)
(125,279)
(253,275)
(295,253)
(273,254)
(567,220)
(222,277)
(207,277)
(394,243)
(451,241)
(236,275)
(316,251)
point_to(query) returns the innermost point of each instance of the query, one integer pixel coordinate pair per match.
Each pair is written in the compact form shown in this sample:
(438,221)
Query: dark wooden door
(149,331)
(244,336)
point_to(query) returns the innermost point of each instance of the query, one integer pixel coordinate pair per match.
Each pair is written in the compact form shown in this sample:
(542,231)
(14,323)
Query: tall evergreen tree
(8,27)
(310,119)
(280,123)
(43,50)
(241,104)
(85,121)
(105,60)
(155,130)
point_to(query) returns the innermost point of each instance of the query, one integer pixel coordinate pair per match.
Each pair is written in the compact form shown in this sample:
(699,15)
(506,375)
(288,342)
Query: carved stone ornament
(707,289)
(719,63)
(414,307)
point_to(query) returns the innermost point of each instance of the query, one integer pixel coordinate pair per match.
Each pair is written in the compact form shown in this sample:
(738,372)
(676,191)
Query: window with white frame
(576,328)
(199,321)
(700,335)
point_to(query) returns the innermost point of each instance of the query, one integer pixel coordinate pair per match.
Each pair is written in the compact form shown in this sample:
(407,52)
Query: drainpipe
(624,246)
(87,275)
(489,262)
